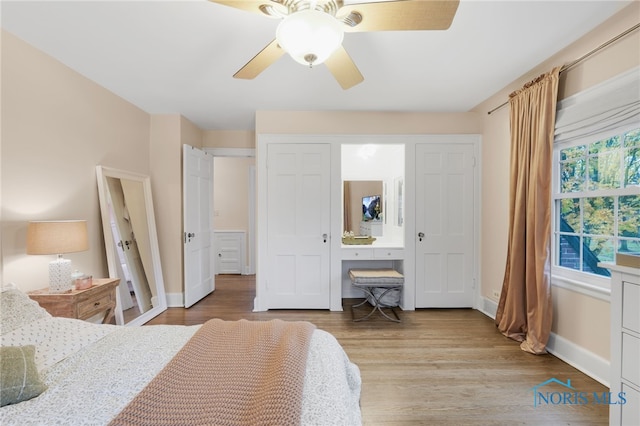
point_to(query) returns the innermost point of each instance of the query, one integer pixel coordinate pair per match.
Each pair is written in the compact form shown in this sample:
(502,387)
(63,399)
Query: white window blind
(610,105)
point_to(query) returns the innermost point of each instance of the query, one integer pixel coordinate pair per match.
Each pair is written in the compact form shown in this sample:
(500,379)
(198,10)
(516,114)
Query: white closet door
(298,217)
(444,225)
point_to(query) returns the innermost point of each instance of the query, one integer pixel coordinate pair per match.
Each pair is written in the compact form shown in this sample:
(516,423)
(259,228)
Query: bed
(91,374)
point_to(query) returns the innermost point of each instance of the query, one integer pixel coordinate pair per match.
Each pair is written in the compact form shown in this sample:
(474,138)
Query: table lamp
(58,237)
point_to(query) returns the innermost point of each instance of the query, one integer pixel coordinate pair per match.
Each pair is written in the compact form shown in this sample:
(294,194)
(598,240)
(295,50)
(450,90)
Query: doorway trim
(249,269)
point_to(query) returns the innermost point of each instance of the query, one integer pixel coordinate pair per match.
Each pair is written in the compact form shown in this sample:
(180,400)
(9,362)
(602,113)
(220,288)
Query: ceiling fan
(311,31)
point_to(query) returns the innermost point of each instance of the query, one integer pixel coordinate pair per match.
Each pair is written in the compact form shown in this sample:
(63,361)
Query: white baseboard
(576,356)
(175,300)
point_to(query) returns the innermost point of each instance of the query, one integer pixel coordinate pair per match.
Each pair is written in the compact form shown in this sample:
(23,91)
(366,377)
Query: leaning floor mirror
(131,244)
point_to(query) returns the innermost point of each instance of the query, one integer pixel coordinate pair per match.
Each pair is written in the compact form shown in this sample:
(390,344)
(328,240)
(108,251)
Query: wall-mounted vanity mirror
(131,243)
(373,176)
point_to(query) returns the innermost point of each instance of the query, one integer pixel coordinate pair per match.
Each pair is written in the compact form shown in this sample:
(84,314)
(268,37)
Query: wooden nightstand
(81,304)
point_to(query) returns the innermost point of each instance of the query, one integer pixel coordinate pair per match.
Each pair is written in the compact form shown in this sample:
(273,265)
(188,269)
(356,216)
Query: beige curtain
(346,207)
(524,311)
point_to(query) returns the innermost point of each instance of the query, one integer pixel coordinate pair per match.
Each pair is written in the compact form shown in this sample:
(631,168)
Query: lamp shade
(310,36)
(57,237)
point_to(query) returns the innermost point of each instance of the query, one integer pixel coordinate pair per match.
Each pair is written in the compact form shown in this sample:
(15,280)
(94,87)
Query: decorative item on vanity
(349,238)
(58,237)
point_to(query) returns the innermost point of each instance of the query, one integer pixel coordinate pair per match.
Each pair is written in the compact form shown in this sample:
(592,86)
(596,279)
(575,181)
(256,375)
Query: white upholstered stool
(376,284)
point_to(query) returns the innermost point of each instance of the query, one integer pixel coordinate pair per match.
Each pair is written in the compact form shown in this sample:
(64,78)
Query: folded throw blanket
(229,373)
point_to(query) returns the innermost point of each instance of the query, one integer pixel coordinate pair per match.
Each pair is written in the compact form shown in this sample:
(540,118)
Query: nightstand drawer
(91,307)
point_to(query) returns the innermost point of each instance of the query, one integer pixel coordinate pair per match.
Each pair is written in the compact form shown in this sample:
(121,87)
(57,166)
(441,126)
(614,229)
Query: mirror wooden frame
(160,306)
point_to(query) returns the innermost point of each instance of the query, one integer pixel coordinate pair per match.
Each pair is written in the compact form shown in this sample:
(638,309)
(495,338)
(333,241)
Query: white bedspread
(93,371)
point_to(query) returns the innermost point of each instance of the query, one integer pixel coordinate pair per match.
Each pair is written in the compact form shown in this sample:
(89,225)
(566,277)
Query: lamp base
(60,276)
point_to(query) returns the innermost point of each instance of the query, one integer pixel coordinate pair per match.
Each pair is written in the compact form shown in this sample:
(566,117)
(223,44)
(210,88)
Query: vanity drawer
(388,253)
(630,303)
(357,253)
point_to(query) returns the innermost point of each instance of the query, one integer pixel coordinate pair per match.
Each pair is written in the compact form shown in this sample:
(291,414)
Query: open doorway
(234,210)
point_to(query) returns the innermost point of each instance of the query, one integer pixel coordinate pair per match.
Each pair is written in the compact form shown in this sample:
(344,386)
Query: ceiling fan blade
(399,15)
(344,69)
(261,7)
(271,53)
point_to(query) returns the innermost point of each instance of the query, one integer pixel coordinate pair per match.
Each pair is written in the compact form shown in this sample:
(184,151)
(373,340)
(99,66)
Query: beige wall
(56,127)
(166,186)
(231,201)
(229,139)
(580,319)
(372,123)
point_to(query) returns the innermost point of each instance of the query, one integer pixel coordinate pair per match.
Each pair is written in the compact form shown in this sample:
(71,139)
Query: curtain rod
(582,58)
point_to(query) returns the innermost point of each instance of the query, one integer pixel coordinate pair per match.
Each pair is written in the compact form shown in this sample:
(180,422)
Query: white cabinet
(625,345)
(230,251)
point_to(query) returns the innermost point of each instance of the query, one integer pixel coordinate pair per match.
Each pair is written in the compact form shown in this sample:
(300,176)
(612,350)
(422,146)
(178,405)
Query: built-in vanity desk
(381,254)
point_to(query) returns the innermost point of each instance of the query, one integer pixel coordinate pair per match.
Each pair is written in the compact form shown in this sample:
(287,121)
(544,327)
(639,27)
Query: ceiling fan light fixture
(310,36)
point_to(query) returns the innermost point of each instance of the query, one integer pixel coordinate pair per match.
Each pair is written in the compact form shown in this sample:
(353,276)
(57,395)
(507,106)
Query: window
(596,201)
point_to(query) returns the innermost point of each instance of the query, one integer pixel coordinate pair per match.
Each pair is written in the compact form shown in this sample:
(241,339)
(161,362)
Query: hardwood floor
(438,366)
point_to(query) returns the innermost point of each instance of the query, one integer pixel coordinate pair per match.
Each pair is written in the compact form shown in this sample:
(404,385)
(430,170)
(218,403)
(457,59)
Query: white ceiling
(178,57)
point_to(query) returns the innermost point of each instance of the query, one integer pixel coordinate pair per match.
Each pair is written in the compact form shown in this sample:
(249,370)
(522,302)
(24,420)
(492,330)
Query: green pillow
(19,378)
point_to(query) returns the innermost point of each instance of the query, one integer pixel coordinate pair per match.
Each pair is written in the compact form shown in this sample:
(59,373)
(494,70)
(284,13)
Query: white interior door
(298,225)
(444,225)
(199,278)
